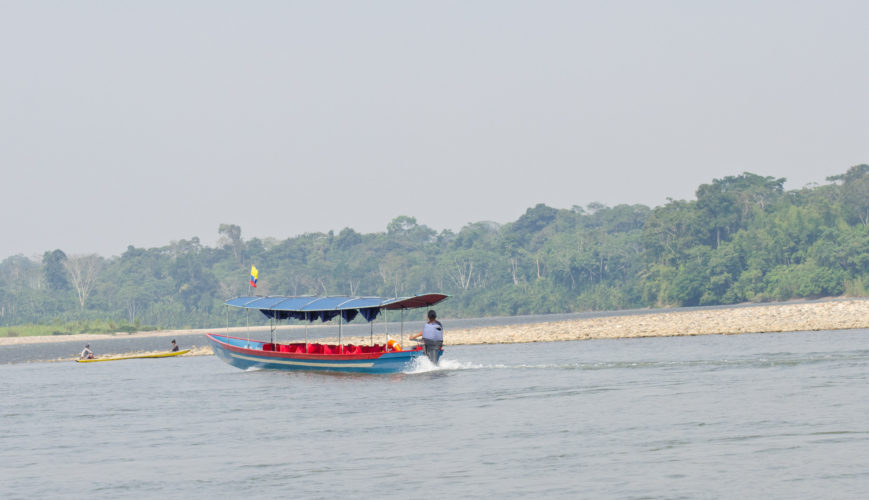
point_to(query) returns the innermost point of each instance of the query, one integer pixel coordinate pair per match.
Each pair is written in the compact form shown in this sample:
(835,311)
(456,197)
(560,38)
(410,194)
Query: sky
(146,122)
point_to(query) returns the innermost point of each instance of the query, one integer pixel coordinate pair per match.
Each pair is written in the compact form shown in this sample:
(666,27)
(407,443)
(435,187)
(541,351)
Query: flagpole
(246,316)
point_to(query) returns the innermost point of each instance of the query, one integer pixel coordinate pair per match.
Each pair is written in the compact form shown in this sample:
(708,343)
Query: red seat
(268,347)
(285,348)
(329,349)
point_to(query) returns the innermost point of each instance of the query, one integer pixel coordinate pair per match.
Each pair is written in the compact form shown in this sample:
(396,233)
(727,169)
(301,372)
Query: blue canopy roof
(326,308)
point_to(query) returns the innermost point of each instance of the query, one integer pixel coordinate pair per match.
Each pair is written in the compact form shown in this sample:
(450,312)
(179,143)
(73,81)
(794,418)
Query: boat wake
(423,365)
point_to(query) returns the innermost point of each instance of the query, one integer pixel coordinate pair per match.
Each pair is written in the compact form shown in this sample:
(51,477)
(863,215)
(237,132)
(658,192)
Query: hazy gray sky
(139,123)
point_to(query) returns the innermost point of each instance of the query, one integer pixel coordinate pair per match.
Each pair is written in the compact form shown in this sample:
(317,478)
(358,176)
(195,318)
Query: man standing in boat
(433,336)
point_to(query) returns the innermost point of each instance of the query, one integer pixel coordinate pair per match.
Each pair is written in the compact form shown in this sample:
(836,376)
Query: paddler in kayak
(86,353)
(174,346)
(433,336)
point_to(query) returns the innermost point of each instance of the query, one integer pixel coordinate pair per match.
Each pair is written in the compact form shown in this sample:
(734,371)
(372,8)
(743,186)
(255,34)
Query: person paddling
(433,336)
(86,353)
(174,346)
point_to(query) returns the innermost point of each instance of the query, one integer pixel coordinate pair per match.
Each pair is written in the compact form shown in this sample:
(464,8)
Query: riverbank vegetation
(742,239)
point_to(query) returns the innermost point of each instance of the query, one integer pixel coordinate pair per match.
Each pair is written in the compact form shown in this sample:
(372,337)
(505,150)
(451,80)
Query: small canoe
(136,356)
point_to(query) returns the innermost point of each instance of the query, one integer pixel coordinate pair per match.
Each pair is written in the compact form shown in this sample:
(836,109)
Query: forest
(742,239)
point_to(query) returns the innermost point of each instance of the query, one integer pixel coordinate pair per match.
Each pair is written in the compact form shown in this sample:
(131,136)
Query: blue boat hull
(244,354)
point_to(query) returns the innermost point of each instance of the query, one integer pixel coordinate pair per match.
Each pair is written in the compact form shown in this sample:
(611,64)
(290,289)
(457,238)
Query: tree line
(742,239)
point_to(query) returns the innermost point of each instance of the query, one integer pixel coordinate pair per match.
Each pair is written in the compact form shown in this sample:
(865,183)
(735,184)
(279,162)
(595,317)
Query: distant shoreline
(839,314)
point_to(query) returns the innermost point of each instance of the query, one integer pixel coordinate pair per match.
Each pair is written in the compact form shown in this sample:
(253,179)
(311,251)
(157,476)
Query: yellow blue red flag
(254,274)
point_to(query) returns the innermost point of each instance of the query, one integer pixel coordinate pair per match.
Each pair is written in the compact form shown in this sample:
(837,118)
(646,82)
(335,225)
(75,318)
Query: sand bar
(828,315)
(838,314)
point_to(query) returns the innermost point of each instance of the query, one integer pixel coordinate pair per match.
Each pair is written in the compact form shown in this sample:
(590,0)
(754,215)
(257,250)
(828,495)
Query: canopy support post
(306,333)
(340,320)
(402,327)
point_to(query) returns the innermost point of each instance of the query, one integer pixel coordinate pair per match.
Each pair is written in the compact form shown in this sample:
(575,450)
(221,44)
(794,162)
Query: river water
(778,415)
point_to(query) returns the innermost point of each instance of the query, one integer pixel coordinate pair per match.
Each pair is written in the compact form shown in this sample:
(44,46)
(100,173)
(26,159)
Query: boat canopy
(312,308)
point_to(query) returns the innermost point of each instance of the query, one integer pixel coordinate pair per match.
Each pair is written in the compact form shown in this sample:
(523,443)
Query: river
(777,415)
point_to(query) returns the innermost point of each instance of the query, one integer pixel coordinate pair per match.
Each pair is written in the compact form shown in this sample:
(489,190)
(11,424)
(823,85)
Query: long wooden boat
(386,357)
(136,356)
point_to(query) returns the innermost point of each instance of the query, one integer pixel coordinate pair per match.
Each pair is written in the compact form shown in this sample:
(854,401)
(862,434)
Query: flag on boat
(254,274)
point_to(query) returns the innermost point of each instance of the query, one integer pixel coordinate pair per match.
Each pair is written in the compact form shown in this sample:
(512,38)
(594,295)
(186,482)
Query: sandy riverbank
(830,315)
(826,315)
(833,315)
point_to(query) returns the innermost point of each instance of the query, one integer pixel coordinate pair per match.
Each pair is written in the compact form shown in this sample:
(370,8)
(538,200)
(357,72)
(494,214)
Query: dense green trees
(742,239)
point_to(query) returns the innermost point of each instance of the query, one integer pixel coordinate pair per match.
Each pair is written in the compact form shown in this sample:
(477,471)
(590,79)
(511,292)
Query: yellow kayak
(136,356)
